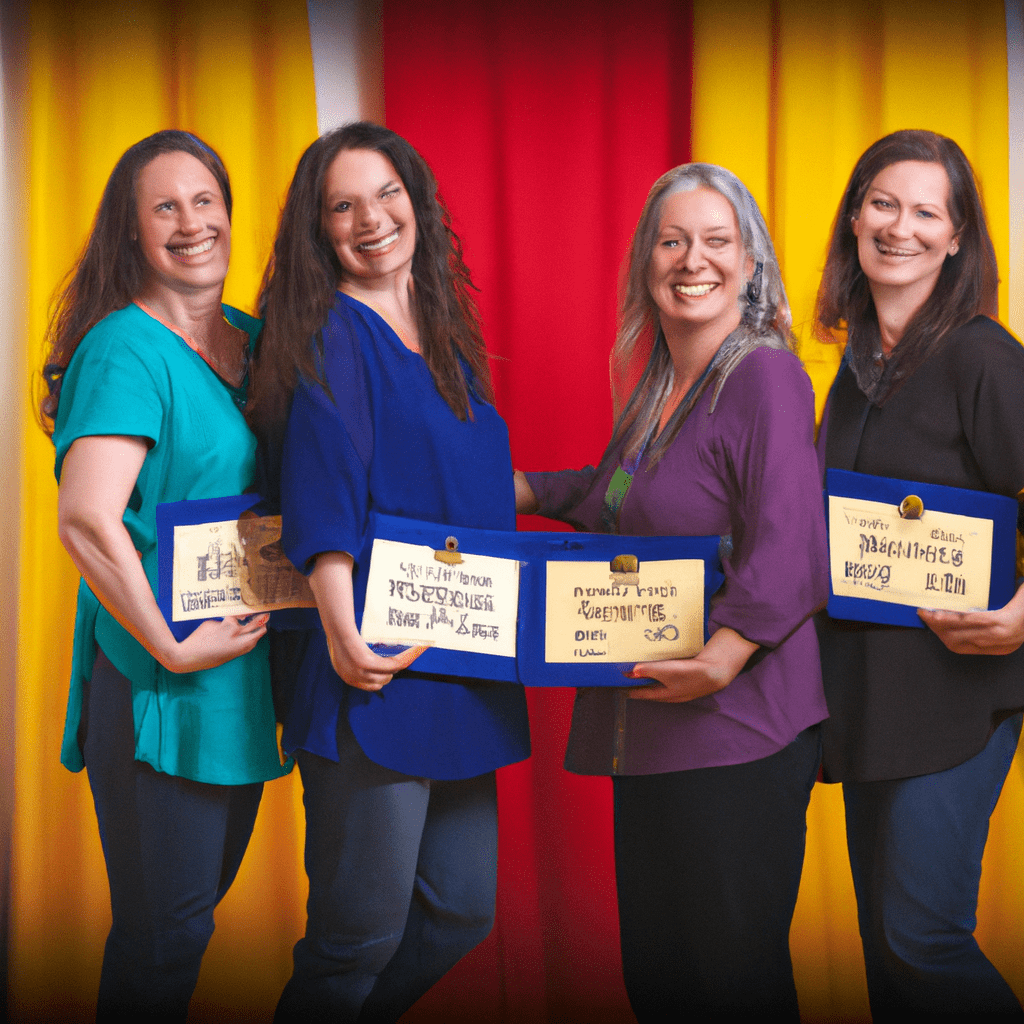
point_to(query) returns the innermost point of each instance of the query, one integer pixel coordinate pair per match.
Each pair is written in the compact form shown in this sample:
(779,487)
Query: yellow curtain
(103,74)
(788,95)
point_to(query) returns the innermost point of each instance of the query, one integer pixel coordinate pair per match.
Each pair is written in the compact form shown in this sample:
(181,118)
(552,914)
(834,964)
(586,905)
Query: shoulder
(125,337)
(982,348)
(767,373)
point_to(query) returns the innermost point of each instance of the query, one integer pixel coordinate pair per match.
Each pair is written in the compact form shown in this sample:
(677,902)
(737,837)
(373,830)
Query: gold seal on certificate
(594,615)
(939,560)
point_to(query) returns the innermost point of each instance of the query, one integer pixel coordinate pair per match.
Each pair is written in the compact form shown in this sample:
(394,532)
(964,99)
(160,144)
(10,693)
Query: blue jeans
(402,876)
(915,853)
(172,848)
(708,865)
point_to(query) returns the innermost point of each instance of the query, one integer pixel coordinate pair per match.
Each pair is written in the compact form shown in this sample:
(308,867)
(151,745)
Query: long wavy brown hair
(302,277)
(967,283)
(111,271)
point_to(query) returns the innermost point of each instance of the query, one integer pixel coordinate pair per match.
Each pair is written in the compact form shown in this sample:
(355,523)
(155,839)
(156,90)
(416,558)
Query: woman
(922,730)
(146,377)
(373,338)
(715,759)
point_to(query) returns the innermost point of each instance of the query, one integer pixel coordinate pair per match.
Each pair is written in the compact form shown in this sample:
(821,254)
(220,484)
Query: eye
(926,213)
(718,242)
(882,204)
(390,193)
(203,201)
(670,243)
(342,207)
(165,206)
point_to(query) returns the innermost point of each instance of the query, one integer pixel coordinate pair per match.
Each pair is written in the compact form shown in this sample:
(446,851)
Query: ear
(855,224)
(954,247)
(748,267)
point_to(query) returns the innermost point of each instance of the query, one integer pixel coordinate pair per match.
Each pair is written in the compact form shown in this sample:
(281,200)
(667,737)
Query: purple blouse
(748,469)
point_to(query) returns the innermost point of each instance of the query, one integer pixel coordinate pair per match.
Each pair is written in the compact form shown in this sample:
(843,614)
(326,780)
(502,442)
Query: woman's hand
(1000,631)
(526,500)
(96,481)
(331,582)
(216,641)
(683,679)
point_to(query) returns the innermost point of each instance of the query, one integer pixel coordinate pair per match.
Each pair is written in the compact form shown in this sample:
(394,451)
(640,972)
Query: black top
(902,704)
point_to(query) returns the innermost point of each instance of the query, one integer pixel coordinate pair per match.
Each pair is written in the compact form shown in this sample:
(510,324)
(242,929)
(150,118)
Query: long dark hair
(302,276)
(111,271)
(966,285)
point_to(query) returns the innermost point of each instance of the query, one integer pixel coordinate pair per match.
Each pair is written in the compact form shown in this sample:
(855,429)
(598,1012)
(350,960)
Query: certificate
(412,598)
(594,617)
(896,546)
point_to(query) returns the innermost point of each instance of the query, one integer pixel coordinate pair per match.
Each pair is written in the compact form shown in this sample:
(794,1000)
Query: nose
(692,257)
(189,220)
(901,225)
(367,214)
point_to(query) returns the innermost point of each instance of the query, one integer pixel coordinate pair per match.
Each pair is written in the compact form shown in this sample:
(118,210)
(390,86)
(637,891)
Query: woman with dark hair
(923,729)
(713,761)
(373,374)
(146,381)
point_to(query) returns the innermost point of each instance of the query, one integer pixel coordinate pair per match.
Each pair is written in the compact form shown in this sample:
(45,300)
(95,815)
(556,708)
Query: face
(904,230)
(368,216)
(183,227)
(699,265)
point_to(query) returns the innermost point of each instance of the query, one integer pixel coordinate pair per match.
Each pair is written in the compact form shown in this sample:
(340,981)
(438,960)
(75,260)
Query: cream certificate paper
(592,617)
(411,598)
(939,561)
(234,567)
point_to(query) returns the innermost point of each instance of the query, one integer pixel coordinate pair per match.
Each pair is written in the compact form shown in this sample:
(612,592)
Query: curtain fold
(102,75)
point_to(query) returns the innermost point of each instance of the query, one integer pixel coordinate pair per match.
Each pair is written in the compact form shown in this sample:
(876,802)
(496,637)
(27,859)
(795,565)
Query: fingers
(369,671)
(972,632)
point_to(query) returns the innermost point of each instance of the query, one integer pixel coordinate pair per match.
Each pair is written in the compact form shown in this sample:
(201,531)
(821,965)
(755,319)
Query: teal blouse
(132,376)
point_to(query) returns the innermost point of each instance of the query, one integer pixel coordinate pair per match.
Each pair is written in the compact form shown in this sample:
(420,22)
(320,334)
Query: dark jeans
(172,848)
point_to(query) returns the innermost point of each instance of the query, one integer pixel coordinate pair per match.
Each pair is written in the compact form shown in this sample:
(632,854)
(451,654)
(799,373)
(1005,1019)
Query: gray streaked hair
(764,308)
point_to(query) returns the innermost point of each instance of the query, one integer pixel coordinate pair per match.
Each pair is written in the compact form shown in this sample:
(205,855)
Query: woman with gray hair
(714,758)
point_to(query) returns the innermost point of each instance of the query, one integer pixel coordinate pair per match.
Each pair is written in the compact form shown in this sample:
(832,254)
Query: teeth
(192,250)
(382,244)
(886,250)
(693,289)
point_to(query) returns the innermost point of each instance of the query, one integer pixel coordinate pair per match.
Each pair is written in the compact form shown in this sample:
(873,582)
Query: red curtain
(546,124)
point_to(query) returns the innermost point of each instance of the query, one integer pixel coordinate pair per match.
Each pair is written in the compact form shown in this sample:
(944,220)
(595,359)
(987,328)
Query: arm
(97,479)
(331,582)
(526,500)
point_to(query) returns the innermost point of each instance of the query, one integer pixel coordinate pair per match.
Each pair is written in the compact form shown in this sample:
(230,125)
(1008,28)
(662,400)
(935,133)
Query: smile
(693,290)
(888,250)
(192,250)
(382,244)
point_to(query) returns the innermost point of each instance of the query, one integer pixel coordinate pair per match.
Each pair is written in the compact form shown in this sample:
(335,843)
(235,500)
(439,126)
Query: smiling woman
(373,396)
(146,381)
(922,730)
(714,758)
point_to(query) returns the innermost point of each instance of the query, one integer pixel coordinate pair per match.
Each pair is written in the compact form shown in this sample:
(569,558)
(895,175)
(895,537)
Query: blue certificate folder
(979,504)
(532,550)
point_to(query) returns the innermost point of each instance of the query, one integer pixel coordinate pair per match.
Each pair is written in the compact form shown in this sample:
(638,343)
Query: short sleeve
(325,460)
(109,389)
(777,574)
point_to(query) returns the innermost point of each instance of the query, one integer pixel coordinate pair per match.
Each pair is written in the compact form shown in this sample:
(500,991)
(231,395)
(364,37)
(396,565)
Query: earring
(954,247)
(754,287)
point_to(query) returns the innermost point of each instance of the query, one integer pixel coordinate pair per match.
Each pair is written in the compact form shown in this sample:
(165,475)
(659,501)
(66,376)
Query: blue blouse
(381,438)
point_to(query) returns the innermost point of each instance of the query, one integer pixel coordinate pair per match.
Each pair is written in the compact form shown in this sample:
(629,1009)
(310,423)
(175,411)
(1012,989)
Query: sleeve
(326,455)
(110,388)
(570,496)
(777,574)
(988,368)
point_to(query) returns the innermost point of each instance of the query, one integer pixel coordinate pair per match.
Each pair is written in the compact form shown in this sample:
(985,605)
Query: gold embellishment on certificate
(411,598)
(938,561)
(590,617)
(224,569)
